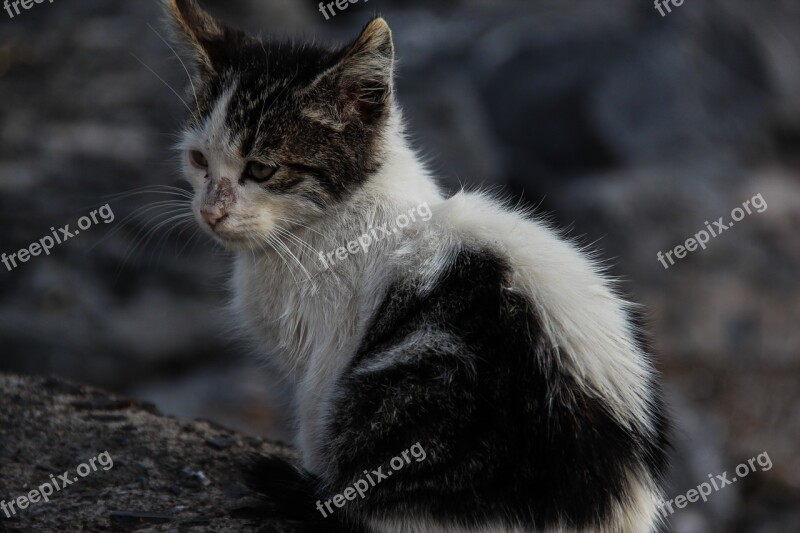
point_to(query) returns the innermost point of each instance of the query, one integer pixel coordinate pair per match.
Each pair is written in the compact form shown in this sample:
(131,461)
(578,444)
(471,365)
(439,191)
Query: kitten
(478,335)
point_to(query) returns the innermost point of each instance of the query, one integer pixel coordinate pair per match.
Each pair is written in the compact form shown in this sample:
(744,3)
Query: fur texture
(481,333)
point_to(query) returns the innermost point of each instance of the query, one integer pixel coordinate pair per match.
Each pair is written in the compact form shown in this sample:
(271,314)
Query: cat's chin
(230,241)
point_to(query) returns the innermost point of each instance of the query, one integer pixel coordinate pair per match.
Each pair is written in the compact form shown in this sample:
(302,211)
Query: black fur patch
(290,495)
(507,434)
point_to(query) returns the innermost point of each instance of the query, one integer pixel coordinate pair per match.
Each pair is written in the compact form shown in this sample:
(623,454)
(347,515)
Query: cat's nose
(213,215)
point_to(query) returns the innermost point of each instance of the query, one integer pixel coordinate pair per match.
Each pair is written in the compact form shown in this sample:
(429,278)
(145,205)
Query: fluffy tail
(290,496)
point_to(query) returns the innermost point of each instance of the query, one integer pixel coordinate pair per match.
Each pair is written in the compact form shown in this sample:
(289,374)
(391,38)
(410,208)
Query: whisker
(191,82)
(288,234)
(190,239)
(271,241)
(151,188)
(290,264)
(198,231)
(183,224)
(297,223)
(150,233)
(100,200)
(131,194)
(137,212)
(297,261)
(164,82)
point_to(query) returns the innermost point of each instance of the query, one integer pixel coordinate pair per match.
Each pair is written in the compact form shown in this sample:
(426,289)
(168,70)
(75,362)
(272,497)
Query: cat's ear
(210,43)
(363,78)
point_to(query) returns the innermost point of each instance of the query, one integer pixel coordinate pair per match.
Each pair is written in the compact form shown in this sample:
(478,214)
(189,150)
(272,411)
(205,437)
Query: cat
(480,335)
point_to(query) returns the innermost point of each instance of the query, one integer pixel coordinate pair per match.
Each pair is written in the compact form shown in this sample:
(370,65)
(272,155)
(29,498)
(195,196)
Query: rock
(130,520)
(163,474)
(221,443)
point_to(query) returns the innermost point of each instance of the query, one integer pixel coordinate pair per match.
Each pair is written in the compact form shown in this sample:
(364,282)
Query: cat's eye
(258,172)
(198,159)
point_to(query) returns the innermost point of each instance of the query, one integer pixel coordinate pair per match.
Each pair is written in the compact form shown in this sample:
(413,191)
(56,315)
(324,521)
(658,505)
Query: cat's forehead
(238,110)
(217,128)
(209,128)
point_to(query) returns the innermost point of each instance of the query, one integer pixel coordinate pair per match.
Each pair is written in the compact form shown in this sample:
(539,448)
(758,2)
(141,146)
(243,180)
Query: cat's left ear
(363,78)
(211,43)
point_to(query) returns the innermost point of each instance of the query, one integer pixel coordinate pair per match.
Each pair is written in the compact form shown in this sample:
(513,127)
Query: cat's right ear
(361,82)
(209,43)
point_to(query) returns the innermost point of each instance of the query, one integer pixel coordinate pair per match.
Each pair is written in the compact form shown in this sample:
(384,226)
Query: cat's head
(279,133)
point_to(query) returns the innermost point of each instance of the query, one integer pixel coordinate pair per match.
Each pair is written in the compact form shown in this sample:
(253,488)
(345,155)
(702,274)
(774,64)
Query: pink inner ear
(360,103)
(353,107)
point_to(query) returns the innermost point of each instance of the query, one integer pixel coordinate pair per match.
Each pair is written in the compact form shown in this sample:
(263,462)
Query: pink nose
(213,215)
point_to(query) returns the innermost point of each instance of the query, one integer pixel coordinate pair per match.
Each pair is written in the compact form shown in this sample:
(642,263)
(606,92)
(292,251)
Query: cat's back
(575,304)
(502,342)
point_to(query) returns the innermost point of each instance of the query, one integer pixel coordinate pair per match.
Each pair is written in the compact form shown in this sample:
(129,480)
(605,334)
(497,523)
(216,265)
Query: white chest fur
(309,330)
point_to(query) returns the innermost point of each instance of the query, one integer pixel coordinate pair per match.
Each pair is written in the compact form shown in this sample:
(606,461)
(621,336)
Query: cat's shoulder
(528,243)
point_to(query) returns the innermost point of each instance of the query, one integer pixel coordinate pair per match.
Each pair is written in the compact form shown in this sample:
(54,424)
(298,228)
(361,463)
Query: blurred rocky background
(629,128)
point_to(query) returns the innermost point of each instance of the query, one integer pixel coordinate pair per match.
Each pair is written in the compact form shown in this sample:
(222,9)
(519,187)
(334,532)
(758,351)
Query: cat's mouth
(218,225)
(224,234)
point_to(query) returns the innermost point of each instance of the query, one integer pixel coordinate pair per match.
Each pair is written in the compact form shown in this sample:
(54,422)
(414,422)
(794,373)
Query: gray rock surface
(163,474)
